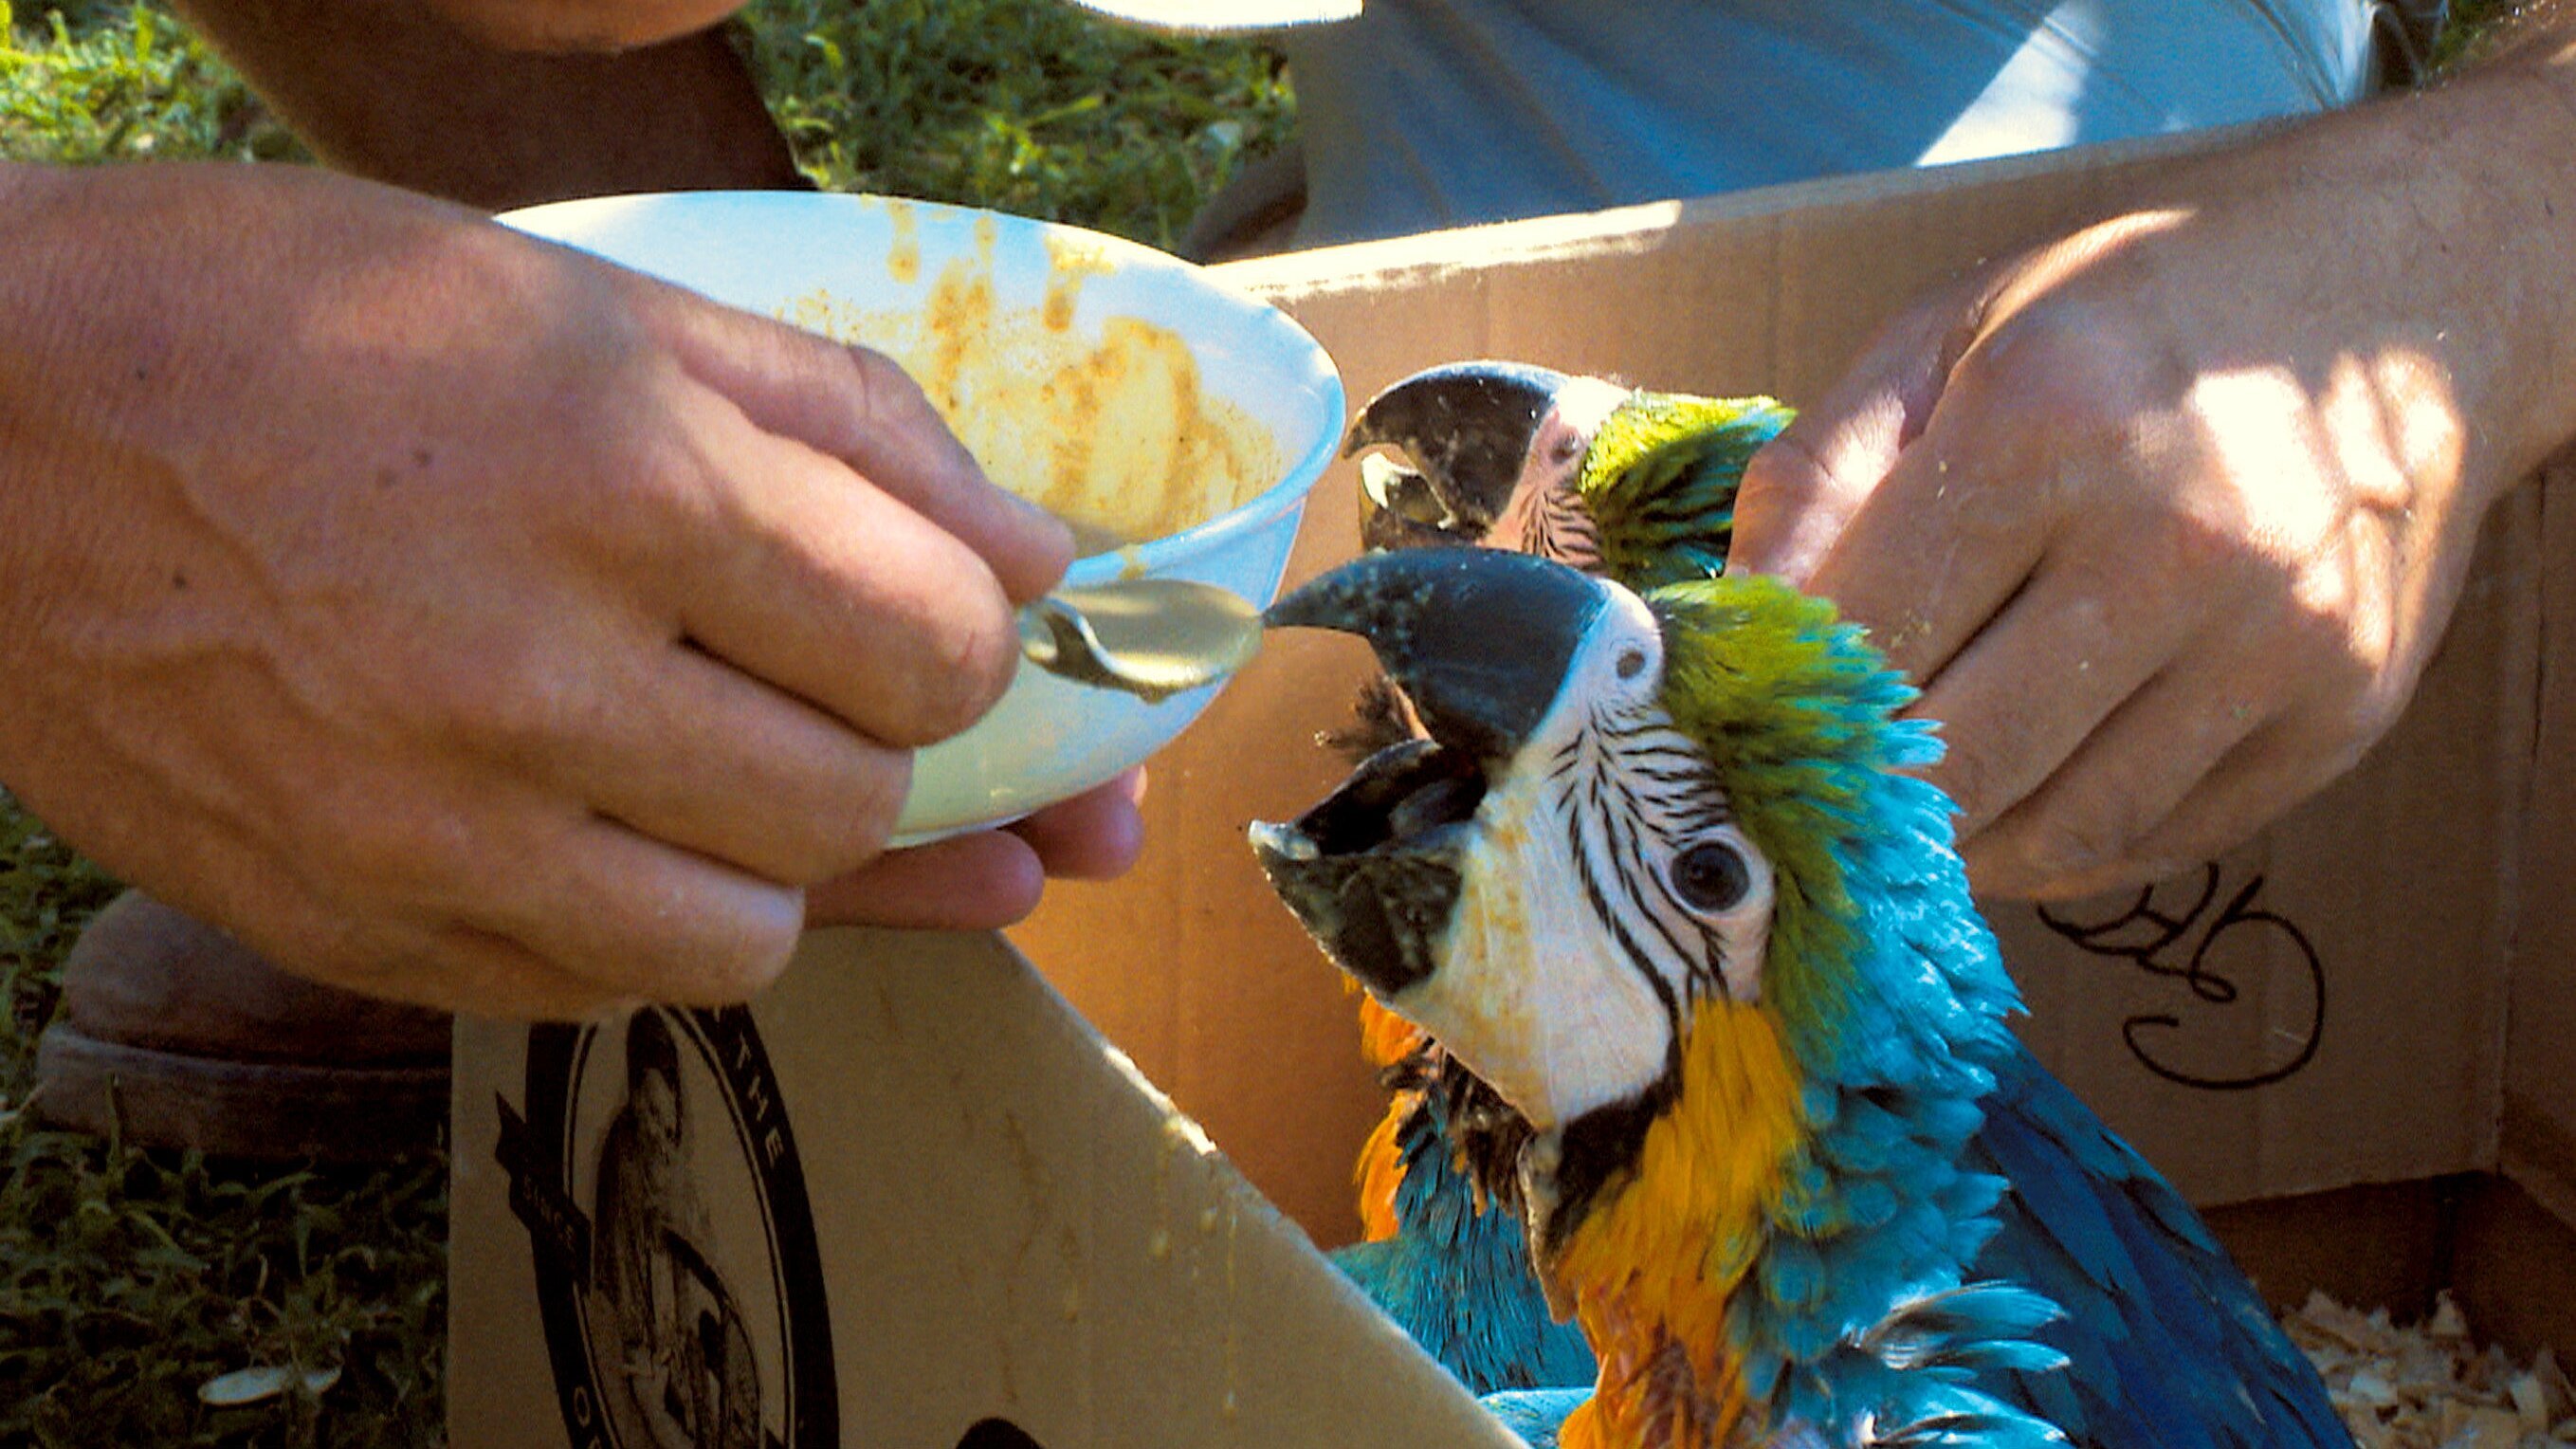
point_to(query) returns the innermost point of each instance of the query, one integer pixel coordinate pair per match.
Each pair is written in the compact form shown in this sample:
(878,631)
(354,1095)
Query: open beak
(1480,643)
(1464,431)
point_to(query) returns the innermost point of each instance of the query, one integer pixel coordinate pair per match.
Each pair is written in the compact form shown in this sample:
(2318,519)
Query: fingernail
(1044,517)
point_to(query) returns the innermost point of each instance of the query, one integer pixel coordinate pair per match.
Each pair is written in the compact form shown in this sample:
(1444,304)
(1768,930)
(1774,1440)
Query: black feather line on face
(1567,534)
(1635,805)
(1637,876)
(1587,798)
(1627,811)
(1630,952)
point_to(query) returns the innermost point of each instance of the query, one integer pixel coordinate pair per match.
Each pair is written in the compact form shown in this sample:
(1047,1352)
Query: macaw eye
(1712,877)
(1632,662)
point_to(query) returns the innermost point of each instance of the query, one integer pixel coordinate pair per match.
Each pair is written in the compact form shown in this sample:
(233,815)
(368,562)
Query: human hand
(563,26)
(2166,518)
(992,877)
(463,620)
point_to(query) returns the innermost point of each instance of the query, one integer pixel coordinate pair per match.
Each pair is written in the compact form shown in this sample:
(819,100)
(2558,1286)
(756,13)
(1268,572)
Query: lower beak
(1480,643)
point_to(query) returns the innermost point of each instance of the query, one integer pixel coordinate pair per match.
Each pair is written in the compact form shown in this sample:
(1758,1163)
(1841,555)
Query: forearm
(403,93)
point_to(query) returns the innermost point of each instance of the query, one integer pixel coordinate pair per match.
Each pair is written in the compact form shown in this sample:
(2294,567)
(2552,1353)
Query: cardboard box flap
(1045,1251)
(2539,1114)
(1767,289)
(2321,1008)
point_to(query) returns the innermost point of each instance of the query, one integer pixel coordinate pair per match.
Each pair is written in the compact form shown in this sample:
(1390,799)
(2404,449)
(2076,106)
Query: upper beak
(1480,642)
(1465,430)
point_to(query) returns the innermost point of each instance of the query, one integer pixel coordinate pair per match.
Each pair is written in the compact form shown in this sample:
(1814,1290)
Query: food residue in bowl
(1111,429)
(903,254)
(1071,259)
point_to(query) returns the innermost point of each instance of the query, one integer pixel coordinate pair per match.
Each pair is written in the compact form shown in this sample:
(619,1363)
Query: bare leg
(389,90)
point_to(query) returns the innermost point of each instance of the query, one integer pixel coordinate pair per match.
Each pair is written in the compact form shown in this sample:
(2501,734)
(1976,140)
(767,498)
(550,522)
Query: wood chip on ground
(2430,1385)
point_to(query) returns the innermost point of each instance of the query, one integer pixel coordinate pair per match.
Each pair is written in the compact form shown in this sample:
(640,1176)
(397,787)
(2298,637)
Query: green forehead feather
(1771,679)
(1660,480)
(1796,711)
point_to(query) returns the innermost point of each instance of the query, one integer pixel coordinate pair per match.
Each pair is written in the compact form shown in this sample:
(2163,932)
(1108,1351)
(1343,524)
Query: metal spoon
(1150,637)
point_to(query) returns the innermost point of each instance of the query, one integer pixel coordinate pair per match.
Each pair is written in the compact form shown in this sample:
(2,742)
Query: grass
(129,1279)
(84,82)
(1110,130)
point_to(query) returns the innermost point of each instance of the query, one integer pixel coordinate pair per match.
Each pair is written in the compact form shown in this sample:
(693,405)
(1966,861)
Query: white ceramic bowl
(1108,380)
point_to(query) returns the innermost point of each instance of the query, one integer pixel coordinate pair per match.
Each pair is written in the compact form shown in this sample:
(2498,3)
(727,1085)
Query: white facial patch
(1604,890)
(1543,515)
(1584,404)
(1529,993)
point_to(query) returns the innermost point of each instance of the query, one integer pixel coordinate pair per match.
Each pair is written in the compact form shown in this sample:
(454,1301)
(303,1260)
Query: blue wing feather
(2168,1344)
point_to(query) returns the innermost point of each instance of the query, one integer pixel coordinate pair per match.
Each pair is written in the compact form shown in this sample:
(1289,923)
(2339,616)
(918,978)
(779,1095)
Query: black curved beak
(1465,431)
(1480,642)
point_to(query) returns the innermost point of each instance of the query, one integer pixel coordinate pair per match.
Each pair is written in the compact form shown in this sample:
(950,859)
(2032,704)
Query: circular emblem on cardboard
(677,1272)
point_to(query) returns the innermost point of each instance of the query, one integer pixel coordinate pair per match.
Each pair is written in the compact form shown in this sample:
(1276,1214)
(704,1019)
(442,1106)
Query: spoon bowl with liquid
(1152,638)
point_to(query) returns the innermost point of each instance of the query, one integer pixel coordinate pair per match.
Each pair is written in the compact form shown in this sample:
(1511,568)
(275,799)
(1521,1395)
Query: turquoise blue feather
(1457,1274)
(1536,1415)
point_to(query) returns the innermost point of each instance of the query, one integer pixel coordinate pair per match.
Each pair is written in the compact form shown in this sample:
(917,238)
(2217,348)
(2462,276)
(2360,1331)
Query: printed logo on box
(677,1271)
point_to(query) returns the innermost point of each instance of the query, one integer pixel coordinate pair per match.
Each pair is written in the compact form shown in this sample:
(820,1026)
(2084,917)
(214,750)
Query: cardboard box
(917,1199)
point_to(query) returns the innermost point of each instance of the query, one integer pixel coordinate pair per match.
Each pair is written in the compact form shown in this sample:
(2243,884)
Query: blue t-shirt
(1431,113)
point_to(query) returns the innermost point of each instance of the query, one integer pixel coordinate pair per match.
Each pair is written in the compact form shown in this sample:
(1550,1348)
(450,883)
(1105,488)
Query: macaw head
(1490,454)
(1649,859)
(1592,474)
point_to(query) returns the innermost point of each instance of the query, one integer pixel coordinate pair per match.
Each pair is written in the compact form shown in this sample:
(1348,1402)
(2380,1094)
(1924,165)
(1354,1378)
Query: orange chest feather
(1655,1258)
(1386,1038)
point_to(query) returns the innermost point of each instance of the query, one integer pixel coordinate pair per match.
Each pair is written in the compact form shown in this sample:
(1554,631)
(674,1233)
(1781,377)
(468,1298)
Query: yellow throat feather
(1655,1258)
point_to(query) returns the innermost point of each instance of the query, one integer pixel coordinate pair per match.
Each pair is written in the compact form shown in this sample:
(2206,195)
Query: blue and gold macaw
(1629,483)
(1637,484)
(1654,870)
